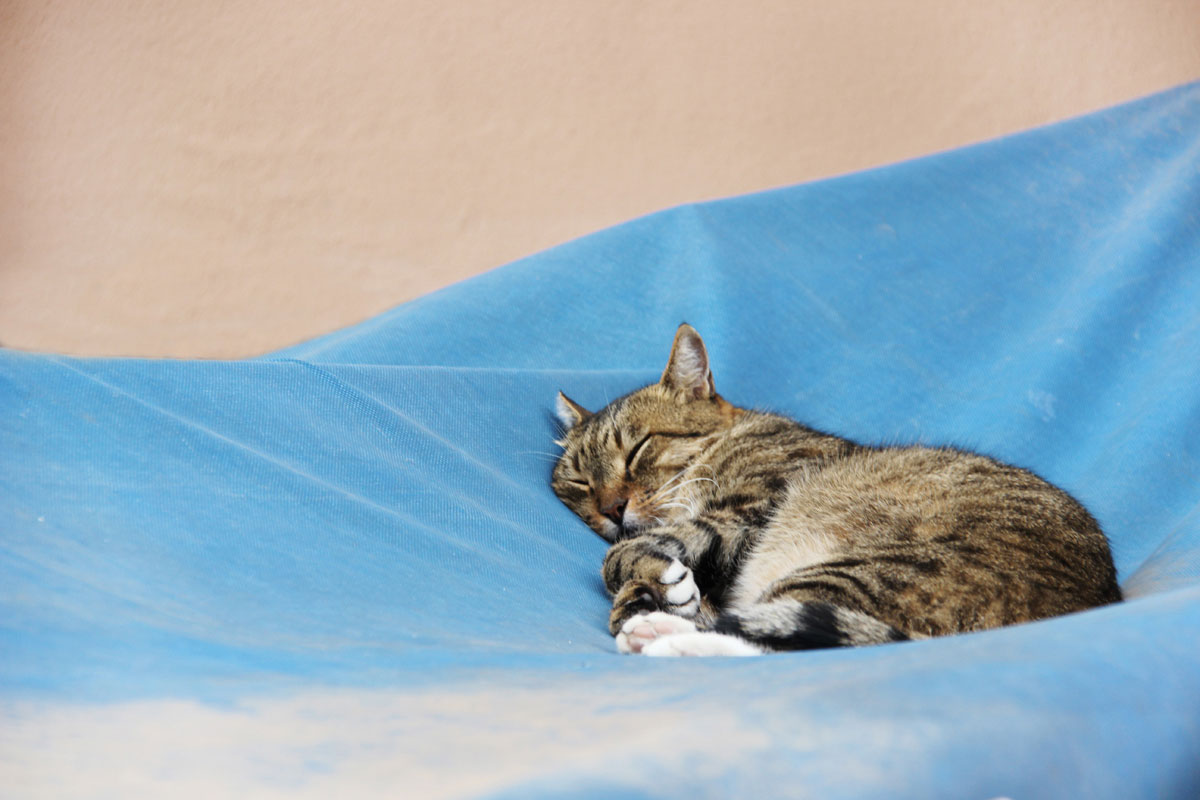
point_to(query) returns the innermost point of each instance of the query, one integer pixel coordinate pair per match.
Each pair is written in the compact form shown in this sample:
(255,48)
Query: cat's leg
(646,574)
(780,624)
(788,622)
(792,615)
(642,629)
(833,604)
(659,634)
(701,643)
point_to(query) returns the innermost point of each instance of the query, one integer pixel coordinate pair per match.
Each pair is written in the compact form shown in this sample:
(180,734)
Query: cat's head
(623,468)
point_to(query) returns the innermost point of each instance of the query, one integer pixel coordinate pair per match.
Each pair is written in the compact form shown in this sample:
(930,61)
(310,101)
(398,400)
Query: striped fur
(795,539)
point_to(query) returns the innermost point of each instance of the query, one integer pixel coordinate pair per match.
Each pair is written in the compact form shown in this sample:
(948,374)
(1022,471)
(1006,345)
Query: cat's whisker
(692,508)
(551,457)
(669,492)
(679,487)
(674,478)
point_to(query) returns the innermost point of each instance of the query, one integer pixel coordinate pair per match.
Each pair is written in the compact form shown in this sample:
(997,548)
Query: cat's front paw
(673,589)
(635,597)
(699,643)
(642,629)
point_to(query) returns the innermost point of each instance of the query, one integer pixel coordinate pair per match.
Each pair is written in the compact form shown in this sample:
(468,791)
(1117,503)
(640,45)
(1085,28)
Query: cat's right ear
(687,370)
(569,412)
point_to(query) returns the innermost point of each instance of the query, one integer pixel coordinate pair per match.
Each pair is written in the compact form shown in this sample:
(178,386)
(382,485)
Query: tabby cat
(737,532)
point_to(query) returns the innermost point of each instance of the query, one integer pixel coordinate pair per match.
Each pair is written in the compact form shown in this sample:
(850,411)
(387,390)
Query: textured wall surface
(222,178)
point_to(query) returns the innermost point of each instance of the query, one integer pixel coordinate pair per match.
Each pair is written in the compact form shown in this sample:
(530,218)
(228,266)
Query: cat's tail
(787,624)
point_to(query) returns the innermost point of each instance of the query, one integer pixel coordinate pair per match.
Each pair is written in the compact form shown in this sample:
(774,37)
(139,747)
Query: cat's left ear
(687,370)
(569,412)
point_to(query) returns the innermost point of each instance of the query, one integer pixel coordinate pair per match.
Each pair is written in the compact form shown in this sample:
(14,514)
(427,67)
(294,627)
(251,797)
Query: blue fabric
(352,542)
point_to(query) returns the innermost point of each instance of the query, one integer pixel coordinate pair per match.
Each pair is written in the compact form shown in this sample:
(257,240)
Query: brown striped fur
(799,539)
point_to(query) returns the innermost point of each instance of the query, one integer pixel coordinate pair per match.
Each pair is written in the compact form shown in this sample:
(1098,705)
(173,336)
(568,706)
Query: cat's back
(932,494)
(997,544)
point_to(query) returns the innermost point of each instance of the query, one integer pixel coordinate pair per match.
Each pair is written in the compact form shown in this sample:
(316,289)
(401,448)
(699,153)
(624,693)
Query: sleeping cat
(737,532)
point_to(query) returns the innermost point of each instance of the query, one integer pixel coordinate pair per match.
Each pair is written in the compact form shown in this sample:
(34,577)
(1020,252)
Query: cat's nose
(615,511)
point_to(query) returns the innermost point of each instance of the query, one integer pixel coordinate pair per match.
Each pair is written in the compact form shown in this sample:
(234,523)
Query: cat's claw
(642,629)
(683,595)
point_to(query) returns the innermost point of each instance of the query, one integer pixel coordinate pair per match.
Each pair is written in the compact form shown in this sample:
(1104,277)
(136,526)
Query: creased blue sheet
(338,570)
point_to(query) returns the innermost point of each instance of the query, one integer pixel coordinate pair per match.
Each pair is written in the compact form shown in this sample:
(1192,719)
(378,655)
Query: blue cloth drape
(368,513)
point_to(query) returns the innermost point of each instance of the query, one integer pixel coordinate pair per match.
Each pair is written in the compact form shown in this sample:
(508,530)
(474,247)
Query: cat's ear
(569,412)
(687,370)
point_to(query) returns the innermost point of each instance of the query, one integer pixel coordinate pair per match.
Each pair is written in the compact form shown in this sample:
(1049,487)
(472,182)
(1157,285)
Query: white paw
(699,643)
(641,629)
(683,596)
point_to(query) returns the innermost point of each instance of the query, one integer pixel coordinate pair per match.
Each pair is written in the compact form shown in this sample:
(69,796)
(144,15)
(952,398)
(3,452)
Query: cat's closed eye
(635,452)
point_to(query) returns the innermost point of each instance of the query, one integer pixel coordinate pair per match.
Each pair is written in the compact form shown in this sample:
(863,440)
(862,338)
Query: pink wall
(222,178)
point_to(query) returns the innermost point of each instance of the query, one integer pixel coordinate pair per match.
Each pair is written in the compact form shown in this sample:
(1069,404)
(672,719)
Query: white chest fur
(793,540)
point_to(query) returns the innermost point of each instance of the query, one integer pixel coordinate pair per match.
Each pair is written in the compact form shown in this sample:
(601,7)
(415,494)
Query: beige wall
(222,178)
